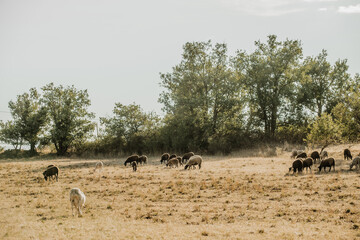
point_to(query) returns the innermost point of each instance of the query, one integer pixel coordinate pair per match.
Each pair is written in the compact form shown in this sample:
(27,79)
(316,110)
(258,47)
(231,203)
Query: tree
(322,85)
(198,94)
(267,78)
(70,121)
(324,131)
(10,134)
(29,117)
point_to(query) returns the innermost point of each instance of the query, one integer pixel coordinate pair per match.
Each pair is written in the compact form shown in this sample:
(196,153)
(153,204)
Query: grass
(229,198)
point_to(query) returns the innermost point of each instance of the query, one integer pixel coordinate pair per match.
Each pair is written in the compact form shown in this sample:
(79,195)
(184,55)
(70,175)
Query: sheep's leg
(79,210)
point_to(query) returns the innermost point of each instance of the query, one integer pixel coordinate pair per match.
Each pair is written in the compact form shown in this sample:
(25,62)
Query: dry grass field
(229,198)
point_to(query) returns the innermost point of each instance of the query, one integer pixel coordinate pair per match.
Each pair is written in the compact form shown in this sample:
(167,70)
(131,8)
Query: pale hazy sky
(116,49)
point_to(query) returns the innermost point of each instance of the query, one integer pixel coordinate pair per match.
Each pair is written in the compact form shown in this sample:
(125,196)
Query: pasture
(229,198)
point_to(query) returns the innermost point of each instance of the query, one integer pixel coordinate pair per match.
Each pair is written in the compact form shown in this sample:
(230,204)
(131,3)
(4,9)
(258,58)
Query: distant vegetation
(213,103)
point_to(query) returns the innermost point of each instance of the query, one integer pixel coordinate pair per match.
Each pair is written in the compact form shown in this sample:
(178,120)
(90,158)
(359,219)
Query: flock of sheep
(78,198)
(302,161)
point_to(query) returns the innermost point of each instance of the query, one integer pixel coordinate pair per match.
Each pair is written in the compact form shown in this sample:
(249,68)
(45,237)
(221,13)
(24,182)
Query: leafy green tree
(10,134)
(198,94)
(267,79)
(29,117)
(324,131)
(322,85)
(70,121)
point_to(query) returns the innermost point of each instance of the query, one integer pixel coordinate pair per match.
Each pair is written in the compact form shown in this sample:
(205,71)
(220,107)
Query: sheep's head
(45,177)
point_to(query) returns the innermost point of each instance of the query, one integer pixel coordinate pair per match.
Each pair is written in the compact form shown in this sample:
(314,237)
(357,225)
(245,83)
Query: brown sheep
(297,165)
(51,171)
(132,158)
(180,161)
(307,163)
(164,158)
(134,165)
(187,156)
(301,155)
(315,155)
(329,162)
(193,161)
(172,156)
(347,154)
(173,162)
(143,159)
(355,162)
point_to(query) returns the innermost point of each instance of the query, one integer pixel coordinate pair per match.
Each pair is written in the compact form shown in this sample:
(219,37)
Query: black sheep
(315,155)
(172,156)
(164,158)
(302,155)
(307,163)
(143,159)
(297,165)
(132,158)
(134,165)
(347,154)
(330,162)
(51,171)
(187,156)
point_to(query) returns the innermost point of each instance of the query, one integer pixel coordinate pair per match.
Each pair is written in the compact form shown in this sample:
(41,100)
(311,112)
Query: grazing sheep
(356,162)
(99,165)
(307,163)
(315,155)
(347,154)
(164,158)
(77,200)
(131,159)
(323,155)
(187,156)
(297,165)
(180,161)
(143,159)
(51,171)
(134,165)
(172,156)
(301,155)
(329,162)
(193,161)
(173,162)
(294,153)
(51,165)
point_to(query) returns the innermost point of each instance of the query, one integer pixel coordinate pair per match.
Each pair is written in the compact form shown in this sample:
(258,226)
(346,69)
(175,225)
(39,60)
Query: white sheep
(77,200)
(99,165)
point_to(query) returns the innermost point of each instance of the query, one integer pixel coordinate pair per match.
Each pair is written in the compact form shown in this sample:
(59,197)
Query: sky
(116,49)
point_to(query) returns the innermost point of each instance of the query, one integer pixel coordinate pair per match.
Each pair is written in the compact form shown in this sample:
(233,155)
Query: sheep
(356,162)
(307,163)
(297,165)
(323,155)
(143,159)
(172,156)
(51,171)
(131,159)
(194,160)
(134,165)
(173,162)
(180,161)
(329,162)
(347,154)
(186,157)
(51,165)
(315,155)
(301,155)
(99,165)
(294,153)
(77,200)
(164,158)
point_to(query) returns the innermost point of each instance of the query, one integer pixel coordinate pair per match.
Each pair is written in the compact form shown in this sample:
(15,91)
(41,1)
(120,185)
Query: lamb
(323,155)
(131,159)
(173,162)
(347,154)
(164,158)
(356,162)
(99,165)
(307,163)
(77,200)
(329,162)
(51,171)
(193,161)
(134,165)
(301,155)
(143,159)
(187,156)
(297,165)
(315,155)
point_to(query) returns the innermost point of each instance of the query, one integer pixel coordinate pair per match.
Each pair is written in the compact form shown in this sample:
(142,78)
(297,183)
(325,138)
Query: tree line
(212,102)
